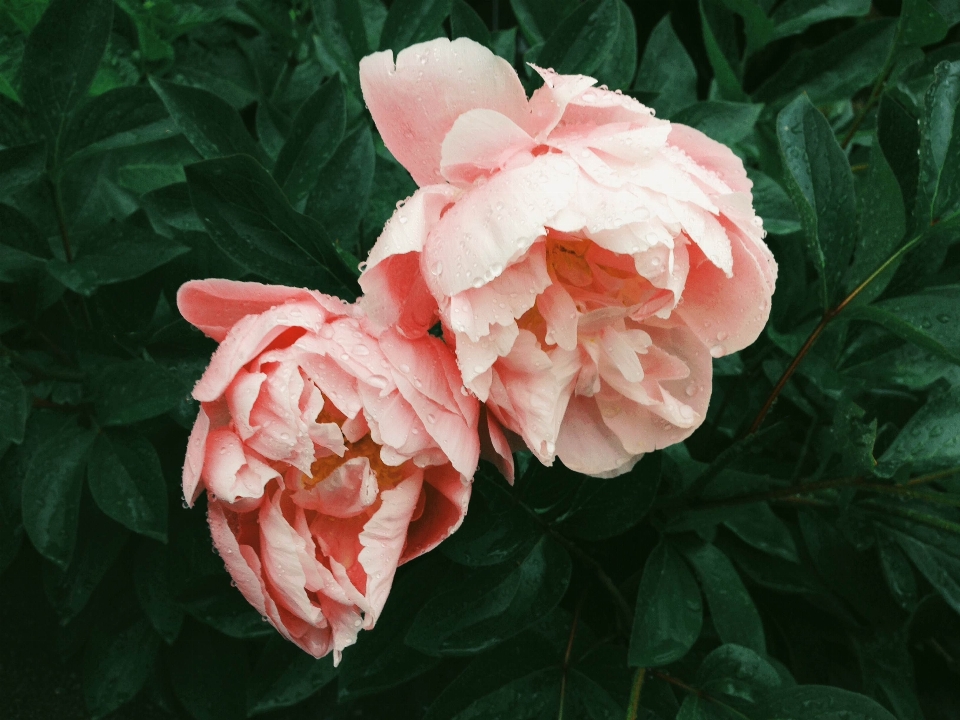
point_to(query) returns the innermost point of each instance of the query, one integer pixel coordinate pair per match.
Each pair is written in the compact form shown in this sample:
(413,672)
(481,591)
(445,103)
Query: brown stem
(933,477)
(569,652)
(874,95)
(696,692)
(828,316)
(634,707)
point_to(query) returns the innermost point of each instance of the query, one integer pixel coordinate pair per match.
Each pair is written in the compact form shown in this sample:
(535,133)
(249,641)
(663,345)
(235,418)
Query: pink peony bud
(330,455)
(585,258)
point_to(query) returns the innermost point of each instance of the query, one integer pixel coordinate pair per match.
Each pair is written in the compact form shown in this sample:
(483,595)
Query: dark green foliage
(809,571)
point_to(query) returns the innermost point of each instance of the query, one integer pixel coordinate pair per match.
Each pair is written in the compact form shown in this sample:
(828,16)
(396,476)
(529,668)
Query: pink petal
(495,224)
(502,300)
(250,337)
(445,496)
(285,559)
(230,472)
(415,102)
(383,538)
(585,444)
(347,491)
(215,306)
(550,100)
(494,446)
(711,155)
(560,313)
(480,142)
(727,314)
(193,462)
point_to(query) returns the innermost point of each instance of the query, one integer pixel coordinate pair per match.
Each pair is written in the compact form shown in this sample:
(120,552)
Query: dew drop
(404,368)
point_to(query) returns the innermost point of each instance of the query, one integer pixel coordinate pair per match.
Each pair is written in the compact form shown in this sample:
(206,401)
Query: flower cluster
(585,262)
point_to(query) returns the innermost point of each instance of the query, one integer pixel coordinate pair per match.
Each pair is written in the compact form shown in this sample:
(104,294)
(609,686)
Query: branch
(634,707)
(828,316)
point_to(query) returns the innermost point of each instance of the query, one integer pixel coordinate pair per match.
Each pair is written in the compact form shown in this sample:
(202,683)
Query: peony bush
(594,358)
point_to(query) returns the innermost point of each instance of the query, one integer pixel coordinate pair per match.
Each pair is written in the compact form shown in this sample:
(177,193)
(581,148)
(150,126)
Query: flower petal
(215,306)
(415,102)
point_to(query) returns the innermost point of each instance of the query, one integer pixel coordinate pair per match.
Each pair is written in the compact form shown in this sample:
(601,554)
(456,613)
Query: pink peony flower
(330,456)
(585,258)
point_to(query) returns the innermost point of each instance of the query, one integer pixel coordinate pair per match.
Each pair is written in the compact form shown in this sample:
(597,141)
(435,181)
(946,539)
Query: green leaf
(487,606)
(834,71)
(51,492)
(584,38)
(61,58)
(758,28)
(920,24)
(820,183)
(116,253)
(250,220)
(667,70)
(519,679)
(794,16)
(285,675)
(495,530)
(413,21)
(16,406)
(464,22)
(725,122)
(720,40)
(820,702)
(604,508)
(153,591)
(116,664)
(897,570)
(931,438)
(759,527)
(127,483)
(899,136)
(540,18)
(887,669)
(731,608)
(504,44)
(20,166)
(314,136)
(773,205)
(938,191)
(340,26)
(14,128)
(883,222)
(738,672)
(380,659)
(930,319)
(940,569)
(99,544)
(620,66)
(339,198)
(852,572)
(121,118)
(669,612)
(208,673)
(135,390)
(209,123)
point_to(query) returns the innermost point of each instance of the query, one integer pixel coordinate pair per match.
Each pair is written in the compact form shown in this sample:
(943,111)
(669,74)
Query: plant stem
(566,655)
(633,708)
(61,220)
(933,477)
(874,95)
(828,316)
